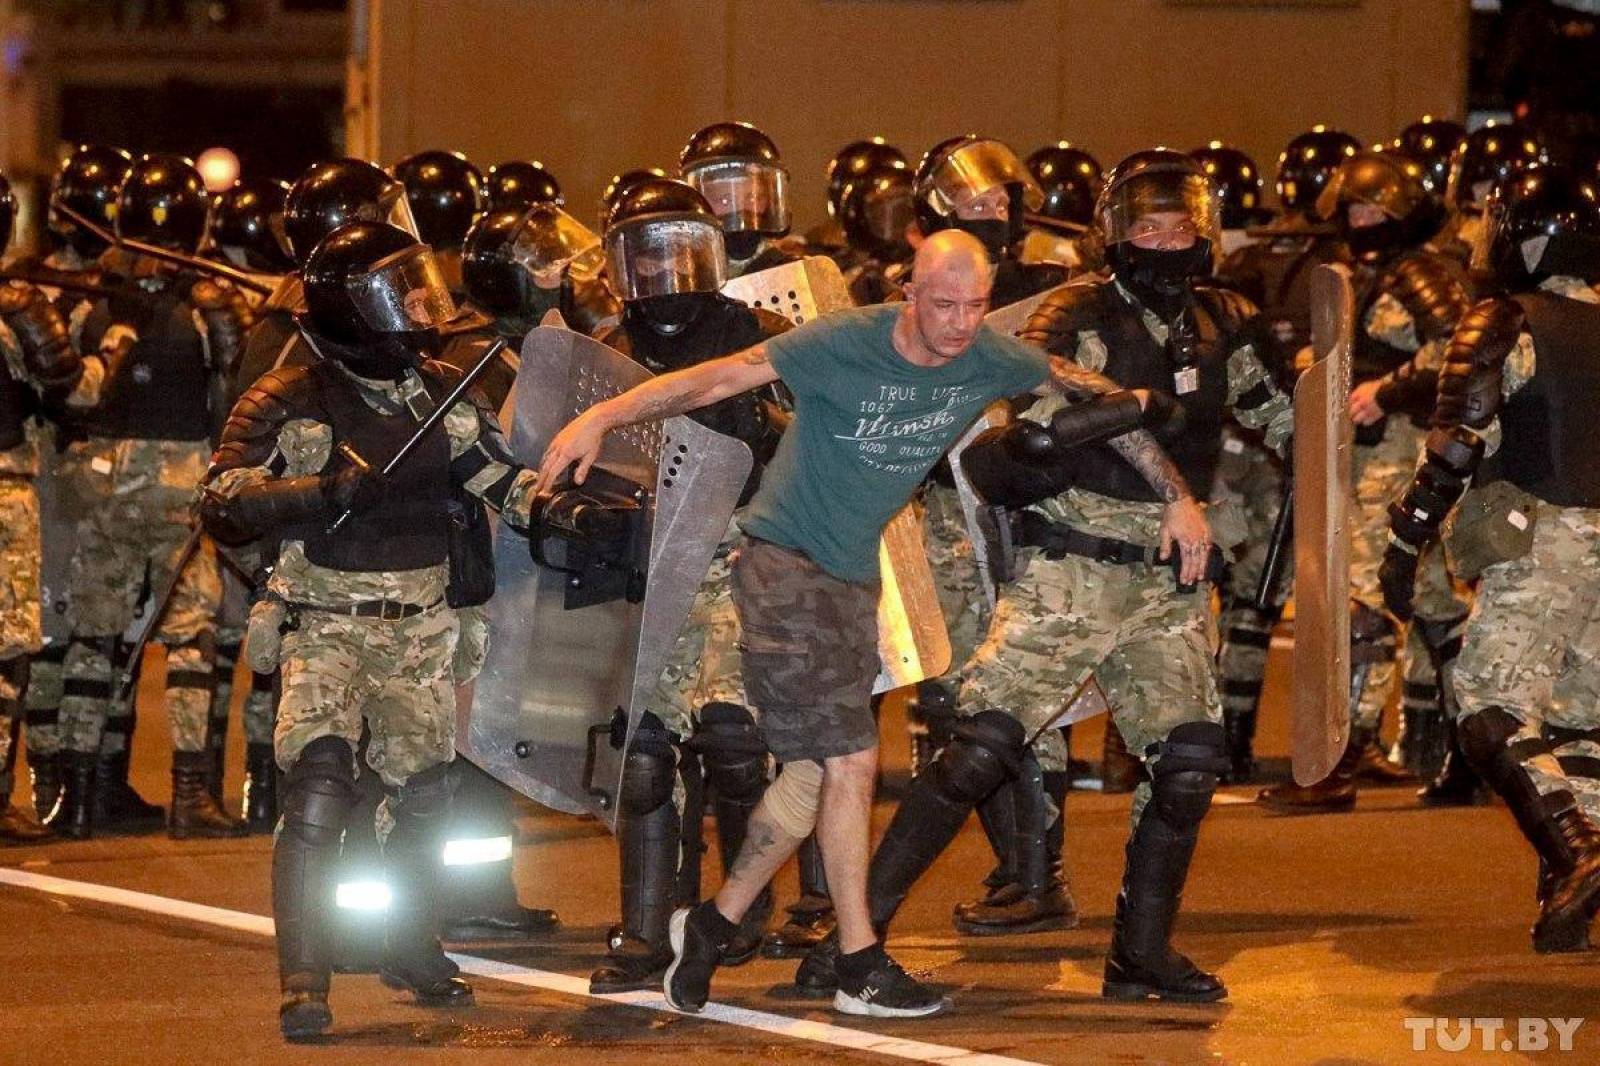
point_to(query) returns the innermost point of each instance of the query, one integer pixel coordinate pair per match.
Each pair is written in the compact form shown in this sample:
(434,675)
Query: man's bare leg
(844,831)
(766,848)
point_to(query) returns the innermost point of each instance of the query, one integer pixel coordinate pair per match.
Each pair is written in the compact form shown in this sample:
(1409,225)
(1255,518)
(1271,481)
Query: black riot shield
(578,647)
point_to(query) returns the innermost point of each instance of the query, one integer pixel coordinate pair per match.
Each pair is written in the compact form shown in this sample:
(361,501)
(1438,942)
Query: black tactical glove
(353,489)
(1397,576)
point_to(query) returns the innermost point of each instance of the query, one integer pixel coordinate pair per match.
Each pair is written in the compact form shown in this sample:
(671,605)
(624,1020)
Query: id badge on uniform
(1186,380)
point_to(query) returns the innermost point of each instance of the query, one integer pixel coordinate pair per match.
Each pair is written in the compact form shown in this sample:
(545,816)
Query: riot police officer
(521,183)
(664,253)
(367,610)
(171,338)
(736,167)
(978,184)
(247,226)
(446,193)
(1522,363)
(1240,190)
(874,214)
(1485,158)
(520,263)
(844,166)
(1071,179)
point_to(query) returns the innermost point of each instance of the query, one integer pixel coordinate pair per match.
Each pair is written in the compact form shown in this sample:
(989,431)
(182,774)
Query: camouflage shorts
(810,652)
(20,632)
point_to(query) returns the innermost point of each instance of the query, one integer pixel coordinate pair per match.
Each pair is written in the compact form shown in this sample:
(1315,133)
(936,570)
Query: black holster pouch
(471,552)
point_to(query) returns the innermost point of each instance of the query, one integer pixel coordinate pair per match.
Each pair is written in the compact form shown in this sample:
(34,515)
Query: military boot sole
(1139,991)
(448,995)
(1042,924)
(794,940)
(206,832)
(1301,802)
(304,1020)
(638,975)
(1563,930)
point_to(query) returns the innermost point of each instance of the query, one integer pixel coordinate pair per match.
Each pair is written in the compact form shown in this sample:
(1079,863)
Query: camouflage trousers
(704,666)
(1382,473)
(963,602)
(398,678)
(260,702)
(20,633)
(1249,483)
(1064,620)
(137,497)
(1533,648)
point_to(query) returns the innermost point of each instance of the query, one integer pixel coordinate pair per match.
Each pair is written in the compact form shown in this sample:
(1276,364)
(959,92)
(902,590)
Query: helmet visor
(403,293)
(397,212)
(1161,207)
(551,242)
(665,255)
(974,168)
(1490,225)
(746,197)
(887,212)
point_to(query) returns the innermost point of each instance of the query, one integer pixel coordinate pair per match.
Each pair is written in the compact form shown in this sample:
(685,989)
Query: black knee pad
(648,769)
(1371,635)
(734,753)
(1442,636)
(1488,739)
(318,792)
(985,750)
(424,796)
(1184,771)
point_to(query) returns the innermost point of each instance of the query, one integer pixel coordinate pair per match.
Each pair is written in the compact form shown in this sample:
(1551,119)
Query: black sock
(712,921)
(856,965)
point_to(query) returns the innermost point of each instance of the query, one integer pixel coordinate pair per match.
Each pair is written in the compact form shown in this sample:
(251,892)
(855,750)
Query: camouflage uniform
(1062,620)
(20,633)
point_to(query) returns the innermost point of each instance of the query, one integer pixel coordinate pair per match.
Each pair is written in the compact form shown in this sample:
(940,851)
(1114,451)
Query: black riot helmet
(378,295)
(337,191)
(1070,178)
(1307,163)
(1239,184)
(446,194)
(247,225)
(1160,217)
(163,201)
(1544,222)
(516,262)
(957,171)
(1378,203)
(522,183)
(1485,158)
(8,213)
(875,209)
(664,252)
(854,160)
(87,183)
(620,184)
(1431,142)
(736,167)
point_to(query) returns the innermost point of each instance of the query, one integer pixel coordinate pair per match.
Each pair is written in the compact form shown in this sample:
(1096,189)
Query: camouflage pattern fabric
(810,652)
(136,519)
(20,630)
(472,646)
(398,677)
(259,702)
(1533,644)
(1249,482)
(705,664)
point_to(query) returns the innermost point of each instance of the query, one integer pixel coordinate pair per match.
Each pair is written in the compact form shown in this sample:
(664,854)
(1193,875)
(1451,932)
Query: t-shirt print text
(890,439)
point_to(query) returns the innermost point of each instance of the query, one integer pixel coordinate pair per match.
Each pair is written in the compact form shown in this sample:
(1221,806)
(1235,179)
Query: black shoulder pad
(1469,380)
(1230,310)
(771,322)
(251,431)
(1431,288)
(1057,321)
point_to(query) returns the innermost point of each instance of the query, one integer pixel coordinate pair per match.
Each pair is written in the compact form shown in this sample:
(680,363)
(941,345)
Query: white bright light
(363,896)
(219,168)
(475,852)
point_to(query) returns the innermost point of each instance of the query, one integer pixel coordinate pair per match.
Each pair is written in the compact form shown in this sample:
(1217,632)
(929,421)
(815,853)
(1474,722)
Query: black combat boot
(648,830)
(260,788)
(1456,784)
(480,891)
(1142,963)
(74,815)
(1042,901)
(735,758)
(998,816)
(413,856)
(195,814)
(985,751)
(17,826)
(118,805)
(45,771)
(811,916)
(1240,727)
(1336,792)
(1120,770)
(1567,842)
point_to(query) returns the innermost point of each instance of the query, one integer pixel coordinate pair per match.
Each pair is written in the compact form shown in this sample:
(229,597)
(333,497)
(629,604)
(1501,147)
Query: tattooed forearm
(1076,382)
(698,386)
(1142,452)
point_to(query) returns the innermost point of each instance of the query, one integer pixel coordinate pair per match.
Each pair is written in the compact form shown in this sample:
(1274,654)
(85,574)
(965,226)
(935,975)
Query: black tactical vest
(1135,361)
(17,403)
(409,530)
(1015,280)
(161,390)
(1551,428)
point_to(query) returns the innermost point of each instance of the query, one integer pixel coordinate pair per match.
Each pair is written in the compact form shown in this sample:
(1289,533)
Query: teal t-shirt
(867,427)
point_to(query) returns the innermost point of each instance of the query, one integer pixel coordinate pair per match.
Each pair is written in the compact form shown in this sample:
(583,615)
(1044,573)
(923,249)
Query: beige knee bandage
(791,801)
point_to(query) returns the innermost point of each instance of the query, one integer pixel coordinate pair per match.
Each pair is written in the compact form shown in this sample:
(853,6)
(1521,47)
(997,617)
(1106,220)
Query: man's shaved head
(955,251)
(948,294)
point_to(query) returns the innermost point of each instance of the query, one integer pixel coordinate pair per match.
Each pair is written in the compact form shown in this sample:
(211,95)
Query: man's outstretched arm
(662,397)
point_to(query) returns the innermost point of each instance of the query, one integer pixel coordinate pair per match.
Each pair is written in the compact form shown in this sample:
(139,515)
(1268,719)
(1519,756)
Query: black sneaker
(697,948)
(887,991)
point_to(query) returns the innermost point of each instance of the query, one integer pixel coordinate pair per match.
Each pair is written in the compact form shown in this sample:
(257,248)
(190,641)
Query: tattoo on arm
(1076,382)
(760,843)
(1142,452)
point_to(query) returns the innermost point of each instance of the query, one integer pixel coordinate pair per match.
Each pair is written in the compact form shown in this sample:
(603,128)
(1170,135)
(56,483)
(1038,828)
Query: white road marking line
(565,984)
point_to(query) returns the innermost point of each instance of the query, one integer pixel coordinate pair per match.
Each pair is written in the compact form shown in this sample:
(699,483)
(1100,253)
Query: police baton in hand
(435,416)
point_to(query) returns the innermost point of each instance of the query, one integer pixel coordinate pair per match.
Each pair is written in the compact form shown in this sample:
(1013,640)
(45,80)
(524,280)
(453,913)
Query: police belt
(1034,530)
(385,610)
